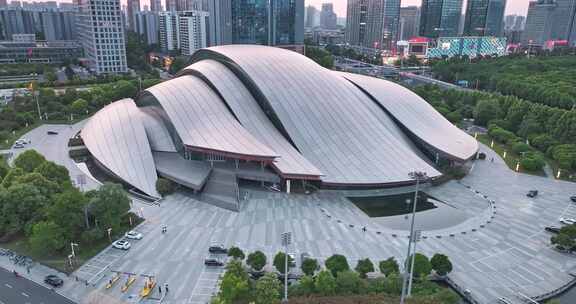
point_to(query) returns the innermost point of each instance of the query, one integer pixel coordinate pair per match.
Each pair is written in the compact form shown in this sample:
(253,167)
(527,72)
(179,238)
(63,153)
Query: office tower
(373,23)
(156,5)
(192,31)
(328,18)
(519,23)
(147,26)
(3,3)
(286,22)
(539,22)
(564,20)
(133,7)
(171,5)
(311,12)
(250,22)
(168,30)
(66,7)
(220,31)
(440,18)
(484,17)
(101,33)
(409,19)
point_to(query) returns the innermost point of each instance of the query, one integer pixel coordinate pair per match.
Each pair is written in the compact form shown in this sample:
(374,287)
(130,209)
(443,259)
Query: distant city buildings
(310,16)
(440,18)
(168,28)
(47,23)
(373,23)
(147,26)
(24,48)
(484,18)
(193,31)
(101,33)
(328,19)
(133,7)
(409,22)
(550,20)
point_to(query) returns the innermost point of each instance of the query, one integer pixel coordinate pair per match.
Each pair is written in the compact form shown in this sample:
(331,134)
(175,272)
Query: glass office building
(440,18)
(250,21)
(484,17)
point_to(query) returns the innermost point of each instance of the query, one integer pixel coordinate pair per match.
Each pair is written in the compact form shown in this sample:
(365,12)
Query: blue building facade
(468,46)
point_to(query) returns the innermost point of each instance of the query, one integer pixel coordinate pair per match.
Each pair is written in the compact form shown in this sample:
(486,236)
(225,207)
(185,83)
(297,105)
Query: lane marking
(24,294)
(8,285)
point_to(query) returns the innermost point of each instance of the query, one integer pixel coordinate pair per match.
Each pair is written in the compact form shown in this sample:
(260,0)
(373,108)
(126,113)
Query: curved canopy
(116,137)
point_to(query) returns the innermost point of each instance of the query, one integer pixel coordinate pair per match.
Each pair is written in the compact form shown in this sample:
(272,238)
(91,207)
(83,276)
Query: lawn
(378,206)
(84,251)
(511,158)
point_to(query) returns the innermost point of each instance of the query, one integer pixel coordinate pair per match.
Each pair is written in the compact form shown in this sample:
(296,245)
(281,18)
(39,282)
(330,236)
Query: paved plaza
(498,246)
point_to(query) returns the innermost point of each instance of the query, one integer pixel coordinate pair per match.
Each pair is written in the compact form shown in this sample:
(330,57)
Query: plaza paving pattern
(500,250)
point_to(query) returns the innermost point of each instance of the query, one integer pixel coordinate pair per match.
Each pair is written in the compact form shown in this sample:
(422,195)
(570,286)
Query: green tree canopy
(441,264)
(165,186)
(47,238)
(55,173)
(337,263)
(485,111)
(309,266)
(79,106)
(256,260)
(29,160)
(12,176)
(267,289)
(234,286)
(22,204)
(422,266)
(67,212)
(109,205)
(389,266)
(236,253)
(47,188)
(348,282)
(325,284)
(364,266)
(279,262)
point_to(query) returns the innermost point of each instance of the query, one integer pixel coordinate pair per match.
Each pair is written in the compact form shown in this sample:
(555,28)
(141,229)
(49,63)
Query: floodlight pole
(418,176)
(286,239)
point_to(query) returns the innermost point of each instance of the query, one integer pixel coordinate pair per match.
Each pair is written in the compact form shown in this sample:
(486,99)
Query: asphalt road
(18,290)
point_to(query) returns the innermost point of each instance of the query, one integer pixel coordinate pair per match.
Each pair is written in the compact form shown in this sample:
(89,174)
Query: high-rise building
(171,5)
(373,23)
(168,30)
(519,23)
(440,18)
(484,17)
(133,7)
(3,3)
(156,5)
(101,33)
(328,19)
(147,26)
(564,24)
(311,12)
(192,31)
(409,20)
(539,22)
(48,25)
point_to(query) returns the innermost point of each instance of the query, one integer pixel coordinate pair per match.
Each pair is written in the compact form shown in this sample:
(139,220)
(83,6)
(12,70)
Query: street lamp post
(109,234)
(417,234)
(286,240)
(418,176)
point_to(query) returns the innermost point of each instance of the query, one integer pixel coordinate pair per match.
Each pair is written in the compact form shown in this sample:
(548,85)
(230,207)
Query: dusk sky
(518,7)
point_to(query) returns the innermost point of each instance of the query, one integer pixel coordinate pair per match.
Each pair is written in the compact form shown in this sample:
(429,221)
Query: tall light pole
(415,242)
(286,240)
(418,176)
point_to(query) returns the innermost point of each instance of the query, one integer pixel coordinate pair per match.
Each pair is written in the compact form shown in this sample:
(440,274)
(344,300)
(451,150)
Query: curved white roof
(158,135)
(116,137)
(253,118)
(332,123)
(202,120)
(418,116)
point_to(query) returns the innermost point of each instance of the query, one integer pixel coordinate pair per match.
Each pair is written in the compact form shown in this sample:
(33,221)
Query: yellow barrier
(113,281)
(130,281)
(148,288)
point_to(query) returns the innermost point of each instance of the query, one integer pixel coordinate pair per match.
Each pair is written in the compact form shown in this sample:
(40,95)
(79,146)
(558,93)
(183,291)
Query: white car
(567,221)
(134,235)
(121,244)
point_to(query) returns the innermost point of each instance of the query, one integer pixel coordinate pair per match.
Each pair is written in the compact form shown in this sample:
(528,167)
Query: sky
(517,7)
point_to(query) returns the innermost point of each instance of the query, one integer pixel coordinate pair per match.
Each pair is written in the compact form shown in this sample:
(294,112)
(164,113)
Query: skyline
(518,7)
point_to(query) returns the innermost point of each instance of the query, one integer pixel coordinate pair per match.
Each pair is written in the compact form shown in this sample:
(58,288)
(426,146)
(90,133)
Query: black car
(573,198)
(217,249)
(532,193)
(553,229)
(213,262)
(52,133)
(53,280)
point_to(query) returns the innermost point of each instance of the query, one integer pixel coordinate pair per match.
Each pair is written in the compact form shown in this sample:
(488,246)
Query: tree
(79,106)
(256,260)
(67,212)
(279,262)
(108,206)
(45,187)
(563,241)
(485,111)
(234,286)
(47,238)
(11,177)
(124,89)
(325,284)
(306,285)
(268,289)
(422,266)
(309,266)
(364,266)
(348,282)
(337,263)
(178,64)
(236,253)
(55,173)
(389,266)
(441,264)
(22,204)
(29,160)
(165,186)
(446,296)
(532,162)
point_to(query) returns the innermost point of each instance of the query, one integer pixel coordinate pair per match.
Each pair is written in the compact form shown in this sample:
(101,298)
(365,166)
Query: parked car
(217,249)
(552,229)
(121,244)
(18,146)
(567,221)
(573,198)
(213,262)
(532,193)
(52,133)
(134,235)
(53,280)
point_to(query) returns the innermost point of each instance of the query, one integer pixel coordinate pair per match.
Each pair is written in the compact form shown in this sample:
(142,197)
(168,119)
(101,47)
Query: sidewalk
(72,289)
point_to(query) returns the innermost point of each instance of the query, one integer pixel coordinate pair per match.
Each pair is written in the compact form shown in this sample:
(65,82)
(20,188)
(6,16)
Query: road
(16,290)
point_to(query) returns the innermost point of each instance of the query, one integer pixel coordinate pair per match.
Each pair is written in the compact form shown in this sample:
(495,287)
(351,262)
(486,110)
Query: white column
(287,186)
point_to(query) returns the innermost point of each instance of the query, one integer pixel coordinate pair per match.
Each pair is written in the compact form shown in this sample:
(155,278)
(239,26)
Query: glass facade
(250,22)
(484,17)
(440,18)
(284,22)
(468,46)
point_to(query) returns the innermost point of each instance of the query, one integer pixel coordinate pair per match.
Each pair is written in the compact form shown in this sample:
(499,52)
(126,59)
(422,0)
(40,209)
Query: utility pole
(417,234)
(286,240)
(418,177)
